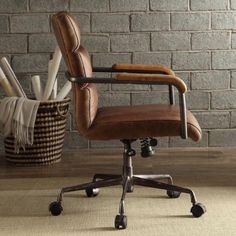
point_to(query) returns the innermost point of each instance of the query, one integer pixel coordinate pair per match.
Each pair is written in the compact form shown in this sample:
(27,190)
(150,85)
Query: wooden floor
(203,166)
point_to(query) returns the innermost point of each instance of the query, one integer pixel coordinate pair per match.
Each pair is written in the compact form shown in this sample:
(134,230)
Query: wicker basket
(49,132)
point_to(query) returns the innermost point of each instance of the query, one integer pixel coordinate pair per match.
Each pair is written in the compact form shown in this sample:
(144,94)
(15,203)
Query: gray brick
(190,21)
(13,6)
(233,119)
(30,63)
(152,58)
(114,99)
(233,4)
(210,80)
(224,99)
(89,5)
(83,21)
(49,6)
(212,40)
(224,60)
(12,43)
(197,100)
(42,43)
(185,76)
(170,41)
(129,5)
(130,42)
(169,5)
(4,26)
(74,141)
(108,59)
(222,138)
(30,23)
(191,60)
(130,87)
(223,20)
(110,22)
(95,43)
(213,120)
(234,40)
(25,82)
(208,5)
(150,22)
(233,79)
(150,98)
(179,142)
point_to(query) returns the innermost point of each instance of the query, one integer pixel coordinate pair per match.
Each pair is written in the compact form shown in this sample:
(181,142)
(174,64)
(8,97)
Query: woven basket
(49,132)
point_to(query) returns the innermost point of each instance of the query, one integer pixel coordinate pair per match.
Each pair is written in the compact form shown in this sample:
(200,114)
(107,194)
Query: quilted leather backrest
(78,62)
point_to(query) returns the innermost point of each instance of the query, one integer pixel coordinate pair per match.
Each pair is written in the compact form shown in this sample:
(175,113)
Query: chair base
(127,180)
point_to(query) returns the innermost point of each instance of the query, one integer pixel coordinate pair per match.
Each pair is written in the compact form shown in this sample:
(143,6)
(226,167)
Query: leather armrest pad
(144,67)
(169,79)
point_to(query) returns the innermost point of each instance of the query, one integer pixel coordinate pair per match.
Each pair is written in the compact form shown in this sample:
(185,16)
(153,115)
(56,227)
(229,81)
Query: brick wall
(194,37)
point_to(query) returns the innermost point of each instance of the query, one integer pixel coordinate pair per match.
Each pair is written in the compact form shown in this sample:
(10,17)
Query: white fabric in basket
(17,117)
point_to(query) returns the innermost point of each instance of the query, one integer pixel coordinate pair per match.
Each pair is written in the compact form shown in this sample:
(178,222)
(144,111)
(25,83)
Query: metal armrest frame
(182,101)
(138,71)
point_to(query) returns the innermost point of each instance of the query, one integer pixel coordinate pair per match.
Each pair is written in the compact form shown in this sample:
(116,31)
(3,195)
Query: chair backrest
(78,62)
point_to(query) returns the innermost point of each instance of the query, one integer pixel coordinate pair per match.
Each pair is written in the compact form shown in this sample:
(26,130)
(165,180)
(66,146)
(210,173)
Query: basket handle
(61,113)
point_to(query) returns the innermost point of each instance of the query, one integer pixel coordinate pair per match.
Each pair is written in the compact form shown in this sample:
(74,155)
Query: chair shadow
(96,229)
(178,216)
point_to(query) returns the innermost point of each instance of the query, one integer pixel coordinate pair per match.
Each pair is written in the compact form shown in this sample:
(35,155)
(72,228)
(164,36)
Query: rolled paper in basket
(12,78)
(64,91)
(6,85)
(36,85)
(54,91)
(53,67)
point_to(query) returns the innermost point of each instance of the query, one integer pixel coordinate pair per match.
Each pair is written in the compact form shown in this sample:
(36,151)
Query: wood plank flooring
(202,166)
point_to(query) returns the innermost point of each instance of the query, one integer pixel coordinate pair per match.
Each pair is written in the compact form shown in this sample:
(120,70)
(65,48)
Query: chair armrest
(144,68)
(150,78)
(125,78)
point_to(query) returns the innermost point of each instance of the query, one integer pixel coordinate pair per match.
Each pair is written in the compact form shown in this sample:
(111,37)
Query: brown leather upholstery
(143,67)
(113,122)
(152,77)
(78,63)
(140,121)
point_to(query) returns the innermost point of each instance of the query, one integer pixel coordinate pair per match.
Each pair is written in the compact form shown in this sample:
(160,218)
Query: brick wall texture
(196,38)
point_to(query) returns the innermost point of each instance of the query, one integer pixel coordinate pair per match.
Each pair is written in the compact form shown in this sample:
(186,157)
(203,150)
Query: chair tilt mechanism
(126,123)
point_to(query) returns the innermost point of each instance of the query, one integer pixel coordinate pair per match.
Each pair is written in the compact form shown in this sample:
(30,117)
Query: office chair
(126,123)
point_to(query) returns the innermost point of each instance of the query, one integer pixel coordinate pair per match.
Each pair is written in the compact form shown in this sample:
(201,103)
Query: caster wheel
(198,210)
(92,192)
(55,208)
(121,222)
(173,194)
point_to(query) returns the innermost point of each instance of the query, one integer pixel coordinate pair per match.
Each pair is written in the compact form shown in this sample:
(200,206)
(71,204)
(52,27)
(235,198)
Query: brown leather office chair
(126,123)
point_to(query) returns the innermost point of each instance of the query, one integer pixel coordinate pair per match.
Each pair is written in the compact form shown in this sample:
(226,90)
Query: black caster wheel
(173,194)
(55,208)
(198,209)
(92,192)
(121,222)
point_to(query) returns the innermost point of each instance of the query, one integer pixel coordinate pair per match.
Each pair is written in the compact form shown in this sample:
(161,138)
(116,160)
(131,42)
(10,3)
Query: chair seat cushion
(132,122)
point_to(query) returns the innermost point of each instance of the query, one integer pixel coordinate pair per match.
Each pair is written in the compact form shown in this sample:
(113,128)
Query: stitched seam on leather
(195,128)
(89,115)
(77,46)
(64,47)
